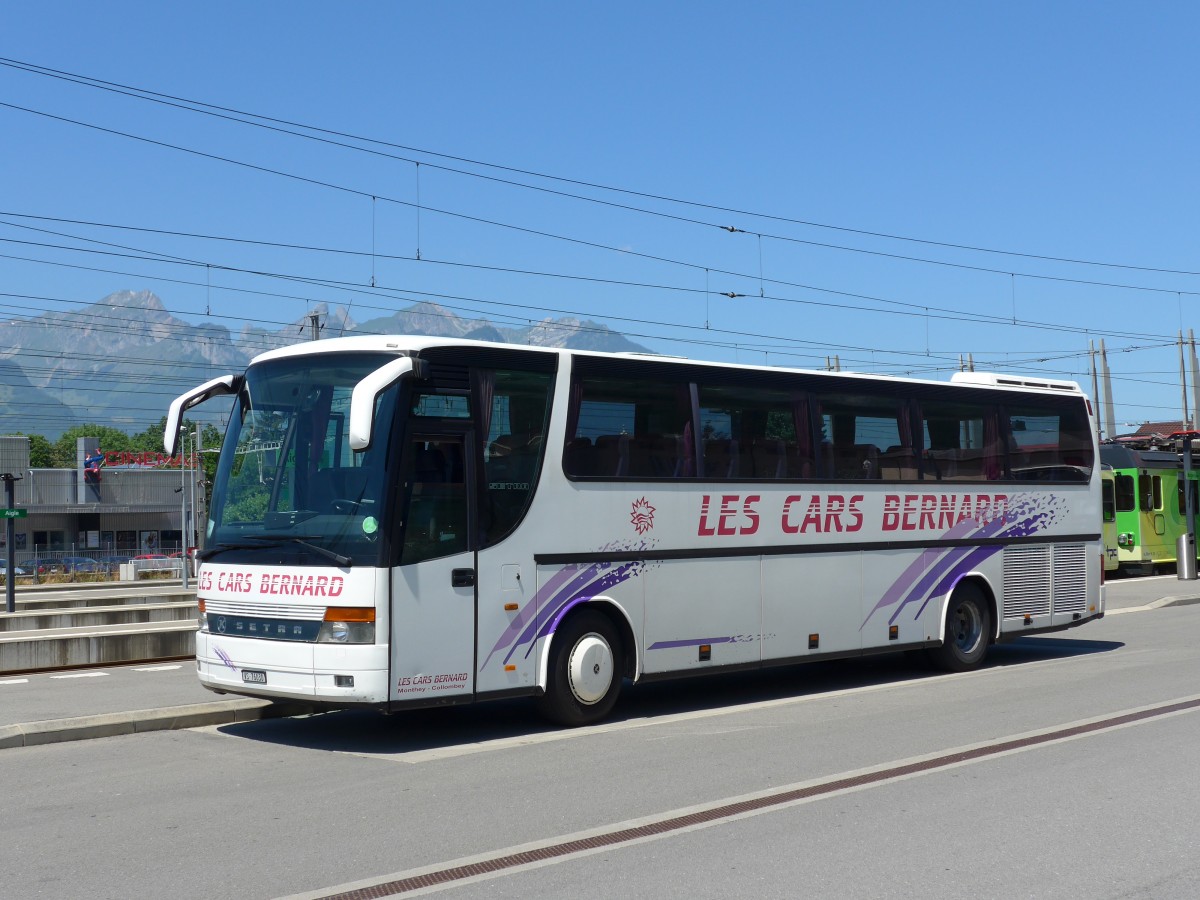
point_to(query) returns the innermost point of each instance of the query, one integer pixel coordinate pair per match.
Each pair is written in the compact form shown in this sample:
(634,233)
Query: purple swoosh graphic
(925,579)
(569,586)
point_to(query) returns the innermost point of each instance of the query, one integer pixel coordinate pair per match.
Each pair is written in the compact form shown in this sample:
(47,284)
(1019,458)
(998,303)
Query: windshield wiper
(256,543)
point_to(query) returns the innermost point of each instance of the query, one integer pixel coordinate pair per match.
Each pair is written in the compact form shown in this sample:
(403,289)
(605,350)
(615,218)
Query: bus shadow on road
(453,730)
(1035,649)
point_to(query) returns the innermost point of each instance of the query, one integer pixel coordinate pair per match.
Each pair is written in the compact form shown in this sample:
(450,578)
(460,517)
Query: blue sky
(859,148)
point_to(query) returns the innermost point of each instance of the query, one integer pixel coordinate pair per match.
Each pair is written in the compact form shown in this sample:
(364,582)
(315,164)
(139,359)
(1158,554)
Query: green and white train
(1148,505)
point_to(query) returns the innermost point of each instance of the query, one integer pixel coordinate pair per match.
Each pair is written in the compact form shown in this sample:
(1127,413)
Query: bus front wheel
(584,676)
(968,627)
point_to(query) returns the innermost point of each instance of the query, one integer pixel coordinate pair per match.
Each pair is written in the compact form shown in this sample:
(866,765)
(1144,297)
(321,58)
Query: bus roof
(408,343)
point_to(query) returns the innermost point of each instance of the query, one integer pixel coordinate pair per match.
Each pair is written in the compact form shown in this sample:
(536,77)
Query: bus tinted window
(752,433)
(859,434)
(632,429)
(513,446)
(1049,444)
(435,508)
(440,406)
(287,467)
(961,442)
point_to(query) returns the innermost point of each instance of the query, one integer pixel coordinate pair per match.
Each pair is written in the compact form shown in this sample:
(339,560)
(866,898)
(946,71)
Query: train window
(1145,493)
(1109,501)
(1156,491)
(1126,501)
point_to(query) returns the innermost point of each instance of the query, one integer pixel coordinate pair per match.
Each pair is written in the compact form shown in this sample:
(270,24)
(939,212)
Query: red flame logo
(642,515)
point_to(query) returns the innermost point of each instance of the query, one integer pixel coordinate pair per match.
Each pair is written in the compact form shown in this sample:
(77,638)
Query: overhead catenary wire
(257,120)
(915,310)
(596,245)
(782,351)
(775,348)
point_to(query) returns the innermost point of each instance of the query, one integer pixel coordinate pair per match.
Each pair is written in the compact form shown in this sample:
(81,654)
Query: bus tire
(584,676)
(968,628)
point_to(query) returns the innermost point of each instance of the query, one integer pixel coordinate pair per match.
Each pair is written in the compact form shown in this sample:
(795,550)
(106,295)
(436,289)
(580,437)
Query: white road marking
(82,675)
(15,681)
(155,668)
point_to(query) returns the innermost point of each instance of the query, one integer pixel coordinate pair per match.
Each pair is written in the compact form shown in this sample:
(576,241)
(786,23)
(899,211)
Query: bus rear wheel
(968,627)
(584,676)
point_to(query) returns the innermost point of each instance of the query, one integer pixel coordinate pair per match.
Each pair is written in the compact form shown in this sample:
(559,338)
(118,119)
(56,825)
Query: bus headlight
(201,616)
(348,625)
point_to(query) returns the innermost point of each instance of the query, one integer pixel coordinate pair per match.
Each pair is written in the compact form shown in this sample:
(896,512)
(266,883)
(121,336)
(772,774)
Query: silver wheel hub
(590,669)
(968,627)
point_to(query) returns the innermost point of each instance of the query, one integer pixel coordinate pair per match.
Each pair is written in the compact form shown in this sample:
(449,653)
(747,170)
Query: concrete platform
(94,616)
(56,626)
(96,645)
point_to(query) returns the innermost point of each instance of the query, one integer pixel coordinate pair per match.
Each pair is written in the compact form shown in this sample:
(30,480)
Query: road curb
(194,715)
(1173,601)
(1160,603)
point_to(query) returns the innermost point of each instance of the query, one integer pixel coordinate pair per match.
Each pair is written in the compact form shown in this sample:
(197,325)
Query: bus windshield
(288,481)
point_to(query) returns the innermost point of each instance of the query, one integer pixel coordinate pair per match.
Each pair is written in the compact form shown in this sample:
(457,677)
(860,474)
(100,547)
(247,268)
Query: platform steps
(95,628)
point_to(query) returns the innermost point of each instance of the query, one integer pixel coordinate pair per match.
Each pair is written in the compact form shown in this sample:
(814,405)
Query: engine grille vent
(1038,580)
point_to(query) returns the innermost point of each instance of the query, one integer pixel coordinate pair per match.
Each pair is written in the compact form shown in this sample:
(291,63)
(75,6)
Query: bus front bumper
(325,673)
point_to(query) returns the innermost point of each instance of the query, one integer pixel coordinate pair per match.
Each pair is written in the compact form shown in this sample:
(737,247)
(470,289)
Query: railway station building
(132,504)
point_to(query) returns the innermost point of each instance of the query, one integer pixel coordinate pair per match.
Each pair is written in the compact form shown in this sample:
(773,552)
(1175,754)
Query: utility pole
(1195,381)
(1110,419)
(197,471)
(1183,418)
(314,326)
(1185,546)
(183,498)
(10,534)
(1095,391)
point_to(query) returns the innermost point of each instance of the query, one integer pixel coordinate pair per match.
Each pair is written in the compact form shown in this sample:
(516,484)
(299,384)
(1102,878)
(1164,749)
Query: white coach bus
(407,521)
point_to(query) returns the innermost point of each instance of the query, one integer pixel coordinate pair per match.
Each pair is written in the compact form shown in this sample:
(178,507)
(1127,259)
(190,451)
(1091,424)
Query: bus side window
(435,518)
(513,444)
(624,427)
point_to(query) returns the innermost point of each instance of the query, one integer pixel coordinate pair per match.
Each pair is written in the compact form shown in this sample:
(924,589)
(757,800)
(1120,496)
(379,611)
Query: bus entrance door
(433,588)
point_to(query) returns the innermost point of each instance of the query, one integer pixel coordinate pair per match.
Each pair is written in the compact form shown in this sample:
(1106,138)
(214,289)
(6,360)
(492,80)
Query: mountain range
(120,361)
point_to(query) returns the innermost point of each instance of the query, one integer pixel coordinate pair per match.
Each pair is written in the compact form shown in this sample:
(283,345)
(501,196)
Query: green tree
(150,440)
(41,451)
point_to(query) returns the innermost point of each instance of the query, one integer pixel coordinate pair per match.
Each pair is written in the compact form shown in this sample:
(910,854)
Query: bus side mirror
(362,400)
(226,384)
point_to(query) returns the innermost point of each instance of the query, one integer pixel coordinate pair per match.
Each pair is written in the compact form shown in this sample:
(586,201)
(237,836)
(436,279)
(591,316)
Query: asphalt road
(1063,769)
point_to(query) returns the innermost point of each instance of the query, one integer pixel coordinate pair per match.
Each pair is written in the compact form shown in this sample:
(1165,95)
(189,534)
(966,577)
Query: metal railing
(79,564)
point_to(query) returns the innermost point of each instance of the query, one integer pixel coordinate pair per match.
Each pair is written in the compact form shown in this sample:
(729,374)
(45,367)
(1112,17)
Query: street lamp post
(183,499)
(10,566)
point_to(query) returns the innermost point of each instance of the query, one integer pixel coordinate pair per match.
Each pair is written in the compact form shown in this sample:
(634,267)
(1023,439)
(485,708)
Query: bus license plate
(253,676)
